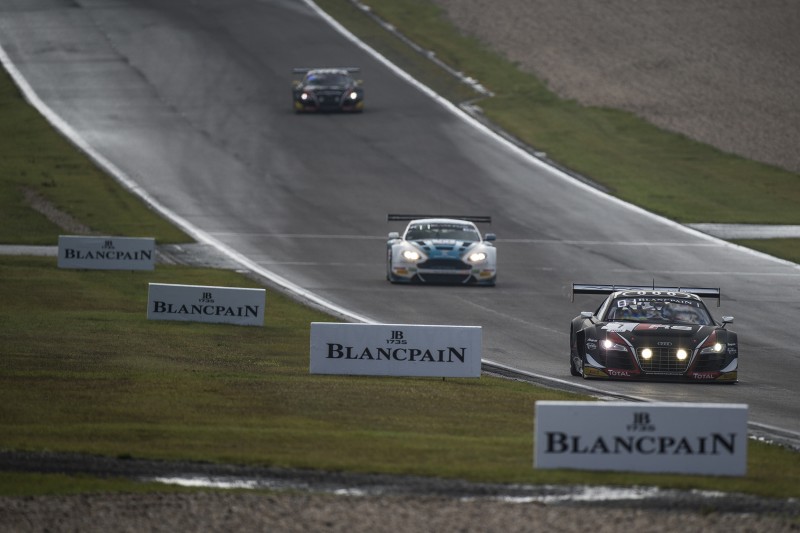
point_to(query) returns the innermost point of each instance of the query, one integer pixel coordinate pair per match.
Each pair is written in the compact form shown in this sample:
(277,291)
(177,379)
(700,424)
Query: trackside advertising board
(198,303)
(106,253)
(396,350)
(681,438)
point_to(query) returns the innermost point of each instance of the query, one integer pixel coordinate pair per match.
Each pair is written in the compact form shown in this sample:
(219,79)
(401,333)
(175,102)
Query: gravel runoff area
(724,72)
(305,500)
(305,512)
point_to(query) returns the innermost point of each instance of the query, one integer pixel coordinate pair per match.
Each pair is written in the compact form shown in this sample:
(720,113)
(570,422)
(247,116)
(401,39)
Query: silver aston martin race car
(442,250)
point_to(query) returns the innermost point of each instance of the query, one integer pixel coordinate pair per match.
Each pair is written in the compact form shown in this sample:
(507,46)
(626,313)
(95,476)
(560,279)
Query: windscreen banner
(199,303)
(678,438)
(106,253)
(396,350)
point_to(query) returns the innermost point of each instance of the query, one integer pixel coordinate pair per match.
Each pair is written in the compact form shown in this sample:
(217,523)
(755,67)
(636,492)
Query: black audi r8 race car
(441,250)
(652,333)
(327,89)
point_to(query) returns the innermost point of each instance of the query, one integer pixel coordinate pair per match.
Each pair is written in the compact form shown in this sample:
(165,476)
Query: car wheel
(389,275)
(574,370)
(574,357)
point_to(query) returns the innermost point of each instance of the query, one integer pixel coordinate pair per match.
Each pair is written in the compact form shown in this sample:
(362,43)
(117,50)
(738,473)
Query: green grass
(83,370)
(784,248)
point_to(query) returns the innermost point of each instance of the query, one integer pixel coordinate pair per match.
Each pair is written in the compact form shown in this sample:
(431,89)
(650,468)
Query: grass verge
(83,370)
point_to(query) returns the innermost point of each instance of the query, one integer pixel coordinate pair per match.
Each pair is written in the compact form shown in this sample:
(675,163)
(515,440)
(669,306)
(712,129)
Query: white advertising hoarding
(106,253)
(199,303)
(683,438)
(396,350)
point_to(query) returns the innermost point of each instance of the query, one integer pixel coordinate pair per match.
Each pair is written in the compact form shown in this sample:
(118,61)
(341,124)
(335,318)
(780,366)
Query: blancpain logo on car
(395,350)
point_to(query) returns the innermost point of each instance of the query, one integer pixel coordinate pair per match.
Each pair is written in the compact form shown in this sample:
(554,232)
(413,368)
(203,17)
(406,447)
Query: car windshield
(327,78)
(663,310)
(456,232)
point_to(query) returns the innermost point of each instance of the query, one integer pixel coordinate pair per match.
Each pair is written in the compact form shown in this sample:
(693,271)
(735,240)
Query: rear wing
(703,292)
(406,218)
(303,70)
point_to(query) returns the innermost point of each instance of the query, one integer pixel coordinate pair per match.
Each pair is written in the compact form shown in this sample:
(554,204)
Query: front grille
(664,361)
(620,360)
(329,99)
(444,279)
(614,359)
(711,362)
(444,264)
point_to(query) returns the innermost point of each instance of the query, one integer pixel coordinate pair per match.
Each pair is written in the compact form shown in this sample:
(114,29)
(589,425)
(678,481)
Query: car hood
(325,88)
(631,331)
(649,335)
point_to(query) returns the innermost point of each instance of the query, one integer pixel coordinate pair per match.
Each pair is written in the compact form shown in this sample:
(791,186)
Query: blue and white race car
(441,250)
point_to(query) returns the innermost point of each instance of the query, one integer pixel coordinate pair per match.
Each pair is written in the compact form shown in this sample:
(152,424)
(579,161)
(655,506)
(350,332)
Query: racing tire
(572,369)
(389,277)
(573,355)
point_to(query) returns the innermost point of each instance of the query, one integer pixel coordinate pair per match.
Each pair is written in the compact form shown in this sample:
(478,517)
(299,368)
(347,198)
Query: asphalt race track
(191,101)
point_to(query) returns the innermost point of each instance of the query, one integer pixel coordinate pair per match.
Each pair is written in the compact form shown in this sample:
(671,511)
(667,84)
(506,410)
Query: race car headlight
(353,95)
(681,354)
(411,255)
(476,257)
(714,348)
(304,96)
(647,353)
(613,346)
(712,344)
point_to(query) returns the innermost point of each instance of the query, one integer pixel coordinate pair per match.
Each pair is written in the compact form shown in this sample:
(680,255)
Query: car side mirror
(587,314)
(490,237)
(394,235)
(727,320)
